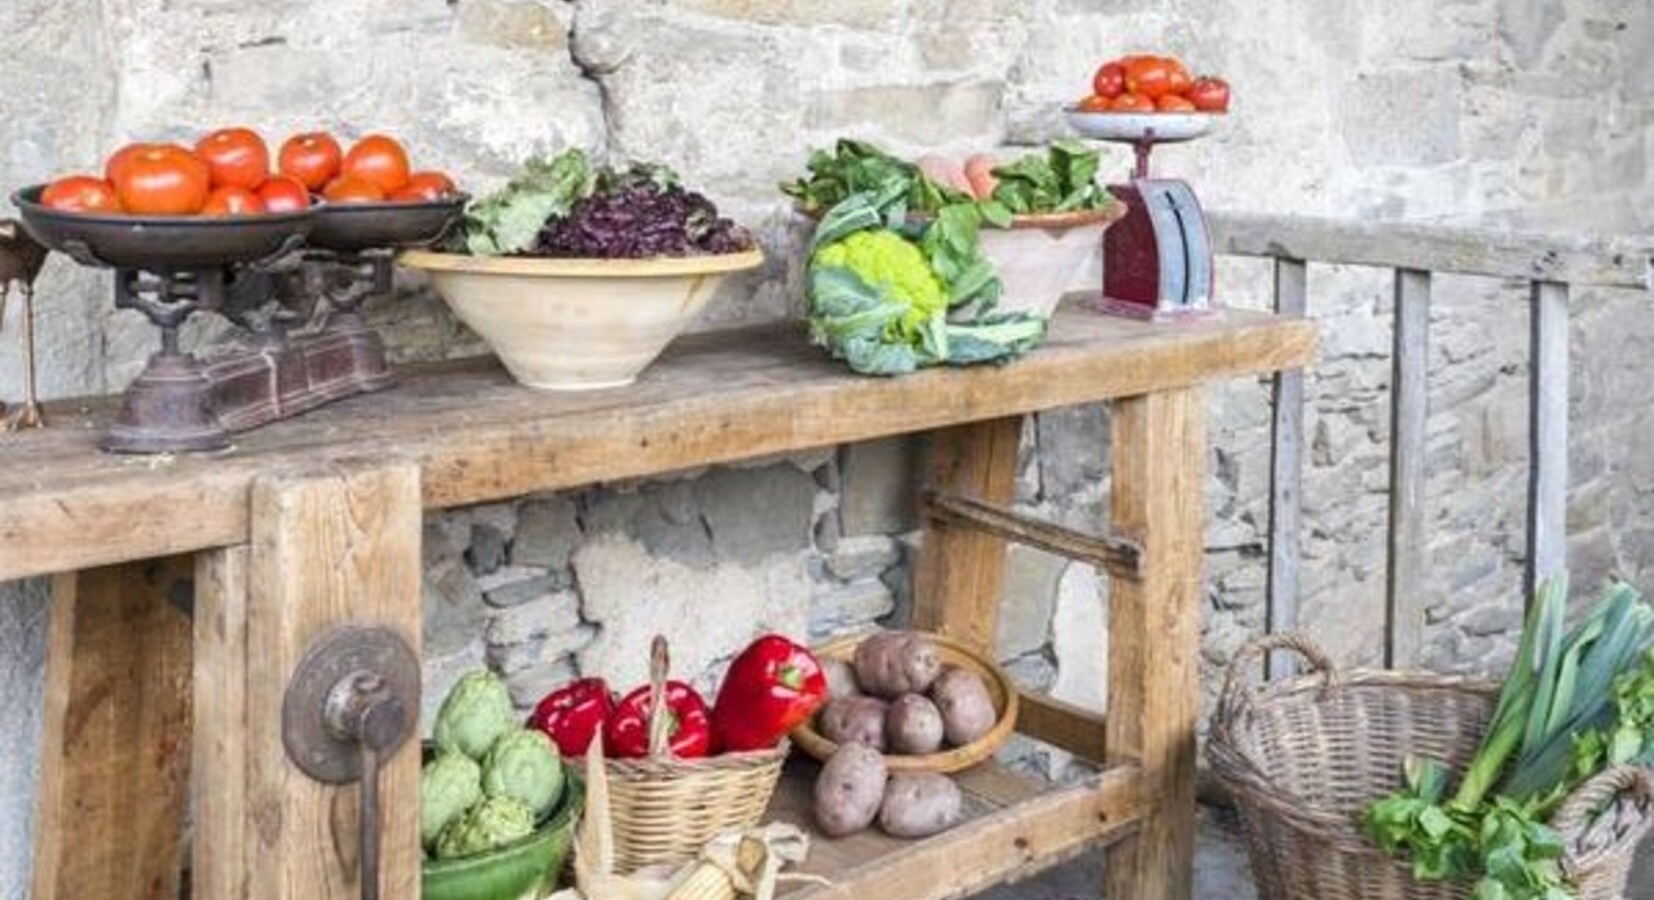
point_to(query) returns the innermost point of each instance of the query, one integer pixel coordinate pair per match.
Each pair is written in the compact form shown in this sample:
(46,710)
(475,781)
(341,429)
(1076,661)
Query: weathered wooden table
(154,688)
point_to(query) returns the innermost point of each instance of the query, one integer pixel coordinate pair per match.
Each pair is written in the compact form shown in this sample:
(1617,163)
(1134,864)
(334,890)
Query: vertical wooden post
(220,868)
(114,765)
(329,547)
(1159,450)
(1409,414)
(1286,470)
(1548,435)
(961,571)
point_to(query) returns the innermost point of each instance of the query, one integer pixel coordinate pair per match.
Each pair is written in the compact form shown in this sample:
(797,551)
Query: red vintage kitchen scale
(1157,260)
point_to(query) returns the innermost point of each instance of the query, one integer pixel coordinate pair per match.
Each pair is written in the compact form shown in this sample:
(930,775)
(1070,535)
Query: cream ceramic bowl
(1039,256)
(577,324)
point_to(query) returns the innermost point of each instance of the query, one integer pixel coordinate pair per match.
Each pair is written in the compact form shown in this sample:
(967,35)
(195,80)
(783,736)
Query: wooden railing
(1552,265)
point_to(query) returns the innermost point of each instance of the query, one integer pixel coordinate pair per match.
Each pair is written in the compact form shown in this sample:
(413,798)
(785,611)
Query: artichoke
(491,824)
(474,714)
(525,765)
(448,786)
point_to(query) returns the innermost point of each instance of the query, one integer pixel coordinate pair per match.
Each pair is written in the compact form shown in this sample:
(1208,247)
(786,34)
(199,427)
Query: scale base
(1132,309)
(166,410)
(254,387)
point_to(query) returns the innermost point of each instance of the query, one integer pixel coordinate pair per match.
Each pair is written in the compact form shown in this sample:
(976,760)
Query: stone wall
(1528,111)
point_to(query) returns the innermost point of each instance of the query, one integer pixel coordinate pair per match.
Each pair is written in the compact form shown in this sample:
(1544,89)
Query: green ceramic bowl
(525,870)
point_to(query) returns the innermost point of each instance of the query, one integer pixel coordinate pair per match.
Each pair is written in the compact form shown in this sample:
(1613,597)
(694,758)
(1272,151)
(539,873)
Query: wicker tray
(1304,756)
(1001,691)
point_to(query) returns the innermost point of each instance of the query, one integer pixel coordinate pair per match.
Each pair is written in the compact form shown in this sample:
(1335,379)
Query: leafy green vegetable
(509,220)
(892,298)
(1064,179)
(1574,703)
(1061,179)
(857,167)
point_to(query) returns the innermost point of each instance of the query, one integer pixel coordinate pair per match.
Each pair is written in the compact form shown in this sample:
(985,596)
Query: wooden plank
(1159,448)
(1117,555)
(1409,414)
(1286,474)
(1061,724)
(1547,435)
(477,436)
(1015,828)
(220,867)
(959,579)
(1595,260)
(331,545)
(114,763)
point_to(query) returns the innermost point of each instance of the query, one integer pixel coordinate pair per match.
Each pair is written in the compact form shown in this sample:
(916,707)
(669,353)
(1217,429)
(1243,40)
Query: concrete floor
(1221,871)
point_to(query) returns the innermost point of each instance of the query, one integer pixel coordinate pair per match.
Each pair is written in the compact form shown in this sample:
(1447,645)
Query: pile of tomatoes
(1145,84)
(230,173)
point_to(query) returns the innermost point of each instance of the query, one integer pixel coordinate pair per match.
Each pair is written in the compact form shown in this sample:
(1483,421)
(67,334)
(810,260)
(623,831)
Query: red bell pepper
(771,688)
(572,714)
(688,733)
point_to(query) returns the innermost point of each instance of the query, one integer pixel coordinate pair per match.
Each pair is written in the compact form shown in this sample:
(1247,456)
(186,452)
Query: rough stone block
(548,530)
(707,613)
(454,611)
(532,24)
(751,514)
(870,14)
(880,486)
(1404,117)
(921,115)
(487,551)
(535,586)
(1030,599)
(530,686)
(849,608)
(1080,642)
(860,558)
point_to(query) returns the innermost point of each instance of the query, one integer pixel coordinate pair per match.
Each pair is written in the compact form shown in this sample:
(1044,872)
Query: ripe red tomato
(1095,103)
(81,193)
(1135,103)
(1110,80)
(378,159)
(117,161)
(1210,94)
(163,180)
(233,200)
(348,189)
(1174,103)
(1177,75)
(312,159)
(284,193)
(237,157)
(1148,76)
(424,187)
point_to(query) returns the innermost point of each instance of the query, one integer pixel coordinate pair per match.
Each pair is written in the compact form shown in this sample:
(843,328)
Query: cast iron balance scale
(293,284)
(1157,260)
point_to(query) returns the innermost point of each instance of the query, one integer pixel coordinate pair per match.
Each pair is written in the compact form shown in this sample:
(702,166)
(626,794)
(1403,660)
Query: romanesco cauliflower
(896,267)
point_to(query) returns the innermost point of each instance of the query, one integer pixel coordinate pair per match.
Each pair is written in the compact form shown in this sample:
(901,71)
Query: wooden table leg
(961,571)
(1154,635)
(114,764)
(220,864)
(331,547)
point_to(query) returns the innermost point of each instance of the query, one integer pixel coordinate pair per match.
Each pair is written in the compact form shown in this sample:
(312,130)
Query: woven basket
(1001,691)
(1305,756)
(665,809)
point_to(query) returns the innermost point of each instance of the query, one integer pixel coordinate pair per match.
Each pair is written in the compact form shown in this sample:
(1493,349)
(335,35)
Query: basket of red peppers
(681,771)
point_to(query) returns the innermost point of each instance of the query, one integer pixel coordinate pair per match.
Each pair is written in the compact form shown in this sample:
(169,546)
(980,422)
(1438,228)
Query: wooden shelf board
(1016,827)
(713,397)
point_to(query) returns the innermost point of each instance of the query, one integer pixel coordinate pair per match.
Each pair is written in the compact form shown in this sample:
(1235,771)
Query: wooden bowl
(1001,691)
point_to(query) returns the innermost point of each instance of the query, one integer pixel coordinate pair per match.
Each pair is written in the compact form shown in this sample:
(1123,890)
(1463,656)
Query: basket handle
(660,718)
(1237,689)
(1581,807)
